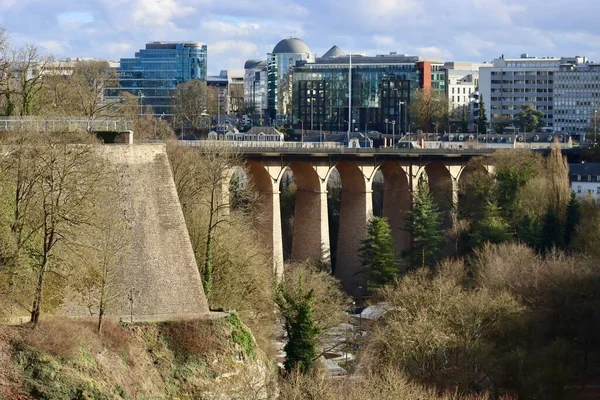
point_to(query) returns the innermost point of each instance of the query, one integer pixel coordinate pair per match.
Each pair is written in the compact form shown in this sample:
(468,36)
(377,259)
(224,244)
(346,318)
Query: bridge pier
(355,212)
(311,226)
(266,179)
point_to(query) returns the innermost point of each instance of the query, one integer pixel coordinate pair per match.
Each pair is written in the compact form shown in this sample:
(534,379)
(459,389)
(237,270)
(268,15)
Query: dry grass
(196,338)
(63,337)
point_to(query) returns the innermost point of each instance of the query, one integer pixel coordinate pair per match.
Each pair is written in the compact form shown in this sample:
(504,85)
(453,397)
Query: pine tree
(302,331)
(529,232)
(552,232)
(482,120)
(491,228)
(572,219)
(378,254)
(424,225)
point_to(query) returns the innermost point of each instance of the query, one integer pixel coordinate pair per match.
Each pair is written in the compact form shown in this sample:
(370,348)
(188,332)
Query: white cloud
(224,29)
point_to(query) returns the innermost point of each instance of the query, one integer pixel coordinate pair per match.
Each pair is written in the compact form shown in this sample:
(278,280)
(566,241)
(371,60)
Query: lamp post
(393,132)
(141,96)
(302,131)
(321,131)
(386,126)
(312,101)
(595,124)
(402,103)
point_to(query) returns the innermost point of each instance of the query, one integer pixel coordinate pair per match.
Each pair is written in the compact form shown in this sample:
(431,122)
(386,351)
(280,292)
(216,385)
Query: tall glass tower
(279,63)
(155,71)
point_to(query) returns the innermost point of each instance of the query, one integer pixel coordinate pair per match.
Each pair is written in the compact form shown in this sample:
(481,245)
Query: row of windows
(590,191)
(521,90)
(521,73)
(510,98)
(522,82)
(464,90)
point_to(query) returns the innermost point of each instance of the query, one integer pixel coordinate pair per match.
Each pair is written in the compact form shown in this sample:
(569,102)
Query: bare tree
(429,108)
(28,68)
(54,196)
(208,188)
(191,104)
(90,80)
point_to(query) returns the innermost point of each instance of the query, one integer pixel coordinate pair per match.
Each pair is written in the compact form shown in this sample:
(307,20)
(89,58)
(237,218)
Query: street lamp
(595,124)
(402,103)
(321,131)
(141,96)
(302,131)
(393,132)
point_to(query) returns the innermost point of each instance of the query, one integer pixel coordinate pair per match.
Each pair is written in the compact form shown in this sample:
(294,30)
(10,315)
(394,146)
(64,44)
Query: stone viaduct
(312,168)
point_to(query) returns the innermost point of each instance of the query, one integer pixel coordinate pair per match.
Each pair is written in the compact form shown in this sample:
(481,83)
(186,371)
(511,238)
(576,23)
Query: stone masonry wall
(160,271)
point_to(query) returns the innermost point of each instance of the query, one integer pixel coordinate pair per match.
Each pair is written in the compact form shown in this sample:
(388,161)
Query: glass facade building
(155,71)
(280,62)
(379,87)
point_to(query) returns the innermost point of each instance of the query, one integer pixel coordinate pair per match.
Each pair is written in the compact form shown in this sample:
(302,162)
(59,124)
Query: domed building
(280,61)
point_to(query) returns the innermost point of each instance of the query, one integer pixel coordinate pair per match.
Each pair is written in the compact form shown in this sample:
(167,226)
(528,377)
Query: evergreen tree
(572,219)
(302,331)
(529,232)
(424,225)
(552,232)
(491,227)
(482,120)
(378,254)
(464,125)
(529,119)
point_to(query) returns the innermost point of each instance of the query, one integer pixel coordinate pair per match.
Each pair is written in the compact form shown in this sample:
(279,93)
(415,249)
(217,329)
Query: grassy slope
(65,359)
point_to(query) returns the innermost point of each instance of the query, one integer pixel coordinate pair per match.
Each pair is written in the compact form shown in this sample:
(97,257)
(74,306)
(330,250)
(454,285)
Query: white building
(512,82)
(462,79)
(585,180)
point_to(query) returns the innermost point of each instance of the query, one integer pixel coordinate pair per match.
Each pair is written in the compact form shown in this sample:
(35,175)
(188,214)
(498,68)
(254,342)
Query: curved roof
(334,52)
(291,45)
(252,64)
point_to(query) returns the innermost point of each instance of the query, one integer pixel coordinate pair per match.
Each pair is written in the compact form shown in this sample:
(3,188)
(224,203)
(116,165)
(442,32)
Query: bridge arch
(397,202)
(471,187)
(310,238)
(266,179)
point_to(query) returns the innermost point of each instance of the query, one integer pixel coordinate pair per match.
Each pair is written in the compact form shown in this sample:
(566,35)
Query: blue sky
(236,30)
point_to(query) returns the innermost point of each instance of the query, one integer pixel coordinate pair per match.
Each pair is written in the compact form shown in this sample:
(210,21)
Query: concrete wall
(160,270)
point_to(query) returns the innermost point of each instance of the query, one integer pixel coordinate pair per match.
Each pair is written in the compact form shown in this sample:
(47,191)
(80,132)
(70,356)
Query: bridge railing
(57,123)
(319,147)
(262,144)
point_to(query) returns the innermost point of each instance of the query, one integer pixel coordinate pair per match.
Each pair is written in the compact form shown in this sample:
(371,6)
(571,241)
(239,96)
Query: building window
(579,189)
(589,178)
(598,190)
(579,177)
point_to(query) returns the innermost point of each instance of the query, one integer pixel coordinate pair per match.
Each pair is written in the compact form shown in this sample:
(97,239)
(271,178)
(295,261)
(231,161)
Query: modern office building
(154,72)
(226,90)
(382,88)
(510,83)
(280,61)
(576,100)
(255,88)
(462,79)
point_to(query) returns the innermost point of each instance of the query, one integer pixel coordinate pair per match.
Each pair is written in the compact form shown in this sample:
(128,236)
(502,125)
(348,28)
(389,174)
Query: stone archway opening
(397,203)
(310,230)
(441,186)
(473,190)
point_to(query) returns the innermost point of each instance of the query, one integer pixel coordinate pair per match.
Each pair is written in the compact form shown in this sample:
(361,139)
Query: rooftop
(291,45)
